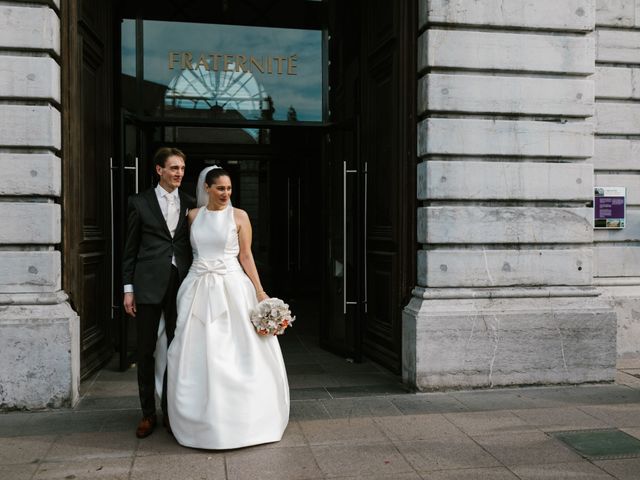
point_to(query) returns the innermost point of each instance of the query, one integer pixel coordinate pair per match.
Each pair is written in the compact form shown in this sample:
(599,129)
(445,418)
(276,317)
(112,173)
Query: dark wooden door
(388,151)
(370,185)
(342,293)
(342,302)
(88,143)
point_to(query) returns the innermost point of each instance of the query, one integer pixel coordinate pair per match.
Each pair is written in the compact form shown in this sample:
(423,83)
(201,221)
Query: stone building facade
(523,107)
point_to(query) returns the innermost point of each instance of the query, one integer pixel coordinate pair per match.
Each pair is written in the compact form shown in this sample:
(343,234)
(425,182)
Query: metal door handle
(344,235)
(299,228)
(288,224)
(111,172)
(137,173)
(364,234)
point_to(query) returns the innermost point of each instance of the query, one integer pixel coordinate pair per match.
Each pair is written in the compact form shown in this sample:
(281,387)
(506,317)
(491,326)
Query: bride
(227,386)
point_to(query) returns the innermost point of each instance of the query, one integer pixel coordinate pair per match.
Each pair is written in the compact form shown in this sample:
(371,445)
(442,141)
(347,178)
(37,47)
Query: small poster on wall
(609,207)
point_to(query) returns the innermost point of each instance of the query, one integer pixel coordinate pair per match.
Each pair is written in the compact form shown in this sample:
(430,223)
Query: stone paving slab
(360,460)
(279,464)
(526,448)
(557,419)
(415,428)
(94,468)
(499,473)
(626,469)
(18,472)
(440,454)
(574,470)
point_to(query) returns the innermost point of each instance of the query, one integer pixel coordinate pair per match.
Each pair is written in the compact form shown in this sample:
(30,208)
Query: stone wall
(617,160)
(39,332)
(505,138)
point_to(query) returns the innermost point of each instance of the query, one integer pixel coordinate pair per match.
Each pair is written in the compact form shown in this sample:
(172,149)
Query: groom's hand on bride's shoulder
(129,304)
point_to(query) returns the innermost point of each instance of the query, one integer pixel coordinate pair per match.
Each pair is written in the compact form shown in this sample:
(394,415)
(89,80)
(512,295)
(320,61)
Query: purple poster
(609,207)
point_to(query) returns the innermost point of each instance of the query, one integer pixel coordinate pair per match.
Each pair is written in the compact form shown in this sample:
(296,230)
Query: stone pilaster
(505,290)
(39,332)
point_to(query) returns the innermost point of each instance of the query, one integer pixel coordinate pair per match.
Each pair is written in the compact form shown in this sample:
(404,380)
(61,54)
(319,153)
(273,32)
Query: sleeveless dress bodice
(226,385)
(214,235)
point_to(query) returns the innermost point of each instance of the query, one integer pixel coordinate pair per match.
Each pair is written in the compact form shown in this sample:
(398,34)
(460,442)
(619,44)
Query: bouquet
(271,317)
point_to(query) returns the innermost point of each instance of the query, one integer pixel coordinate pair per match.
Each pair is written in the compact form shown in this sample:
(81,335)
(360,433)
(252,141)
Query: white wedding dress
(227,386)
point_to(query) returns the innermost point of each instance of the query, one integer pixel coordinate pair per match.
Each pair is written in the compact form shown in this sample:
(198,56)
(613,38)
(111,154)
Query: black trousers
(147,321)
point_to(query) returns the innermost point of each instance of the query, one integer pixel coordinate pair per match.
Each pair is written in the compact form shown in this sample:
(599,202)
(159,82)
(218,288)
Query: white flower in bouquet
(271,317)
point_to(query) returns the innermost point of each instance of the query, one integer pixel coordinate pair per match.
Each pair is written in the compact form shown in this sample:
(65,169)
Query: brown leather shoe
(146,426)
(165,422)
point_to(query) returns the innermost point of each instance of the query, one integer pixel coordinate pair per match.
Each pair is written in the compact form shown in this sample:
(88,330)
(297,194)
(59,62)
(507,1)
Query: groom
(157,256)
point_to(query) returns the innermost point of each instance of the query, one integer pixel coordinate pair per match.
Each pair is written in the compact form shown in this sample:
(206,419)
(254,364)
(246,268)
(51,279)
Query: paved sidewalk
(496,434)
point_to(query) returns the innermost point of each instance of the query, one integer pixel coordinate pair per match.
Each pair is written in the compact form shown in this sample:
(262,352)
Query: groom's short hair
(165,152)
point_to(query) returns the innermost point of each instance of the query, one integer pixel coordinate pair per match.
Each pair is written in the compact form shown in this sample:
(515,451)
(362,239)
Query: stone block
(494,94)
(462,343)
(632,182)
(30,174)
(40,356)
(29,27)
(616,154)
(617,82)
(576,15)
(617,13)
(484,225)
(463,136)
(29,223)
(625,301)
(618,46)
(616,260)
(473,180)
(34,126)
(491,268)
(521,52)
(28,271)
(30,78)
(615,118)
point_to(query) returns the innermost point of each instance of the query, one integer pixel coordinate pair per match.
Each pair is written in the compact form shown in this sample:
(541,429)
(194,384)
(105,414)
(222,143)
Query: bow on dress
(212,303)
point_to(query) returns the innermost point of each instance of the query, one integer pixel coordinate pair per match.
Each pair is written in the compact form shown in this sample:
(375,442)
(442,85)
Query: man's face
(171,174)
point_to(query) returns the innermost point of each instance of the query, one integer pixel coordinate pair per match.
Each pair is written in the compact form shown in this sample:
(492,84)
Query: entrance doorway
(326,175)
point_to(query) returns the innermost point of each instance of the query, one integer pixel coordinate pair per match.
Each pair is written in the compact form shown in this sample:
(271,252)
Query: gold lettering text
(241,63)
(270,65)
(173,58)
(228,60)
(214,57)
(279,61)
(203,61)
(187,61)
(291,64)
(254,63)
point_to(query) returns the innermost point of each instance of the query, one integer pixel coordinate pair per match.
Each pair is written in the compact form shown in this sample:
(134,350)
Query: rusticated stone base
(532,339)
(39,354)
(625,301)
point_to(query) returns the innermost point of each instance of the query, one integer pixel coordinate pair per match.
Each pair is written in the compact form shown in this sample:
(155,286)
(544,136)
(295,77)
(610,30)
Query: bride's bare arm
(246,256)
(192,215)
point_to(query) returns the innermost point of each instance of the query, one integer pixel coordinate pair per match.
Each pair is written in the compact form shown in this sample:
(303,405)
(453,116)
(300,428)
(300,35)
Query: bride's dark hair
(214,174)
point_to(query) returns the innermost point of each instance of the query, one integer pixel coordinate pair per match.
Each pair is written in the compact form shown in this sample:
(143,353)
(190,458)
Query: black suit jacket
(149,246)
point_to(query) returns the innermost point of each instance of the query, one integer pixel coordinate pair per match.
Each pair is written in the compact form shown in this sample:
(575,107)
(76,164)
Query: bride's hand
(261,296)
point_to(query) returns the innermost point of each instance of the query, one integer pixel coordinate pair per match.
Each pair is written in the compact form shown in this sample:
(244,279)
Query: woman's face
(220,191)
